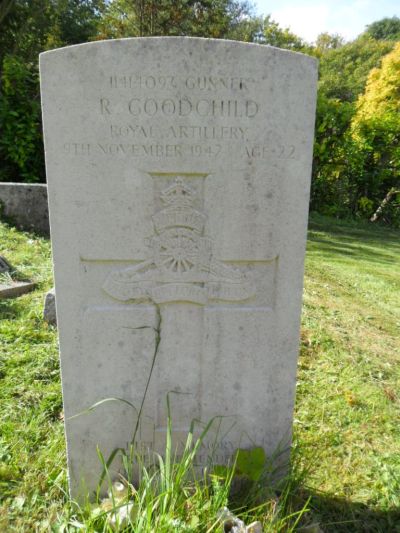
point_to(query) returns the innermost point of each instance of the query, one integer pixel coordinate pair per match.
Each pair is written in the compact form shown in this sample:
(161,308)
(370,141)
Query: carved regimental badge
(181,266)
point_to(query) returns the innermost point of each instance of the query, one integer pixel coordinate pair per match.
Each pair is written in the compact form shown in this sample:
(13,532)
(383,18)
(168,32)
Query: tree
(24,29)
(29,27)
(274,35)
(74,22)
(376,131)
(203,18)
(344,70)
(385,29)
(328,41)
(5,8)
(339,184)
(21,149)
(331,191)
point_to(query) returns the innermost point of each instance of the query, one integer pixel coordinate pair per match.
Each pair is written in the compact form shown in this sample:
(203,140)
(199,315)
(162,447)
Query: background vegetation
(357,153)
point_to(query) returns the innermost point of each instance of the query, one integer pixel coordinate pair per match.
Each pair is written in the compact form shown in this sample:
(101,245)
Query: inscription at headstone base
(178,172)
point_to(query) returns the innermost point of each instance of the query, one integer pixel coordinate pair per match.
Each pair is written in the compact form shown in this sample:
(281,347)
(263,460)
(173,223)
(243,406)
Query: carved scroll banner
(178,172)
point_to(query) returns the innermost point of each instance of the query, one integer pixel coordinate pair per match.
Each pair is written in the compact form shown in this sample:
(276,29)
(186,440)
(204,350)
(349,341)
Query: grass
(347,419)
(348,400)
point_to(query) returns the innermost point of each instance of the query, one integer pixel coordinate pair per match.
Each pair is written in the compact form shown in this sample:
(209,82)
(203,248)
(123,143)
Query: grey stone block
(49,311)
(25,204)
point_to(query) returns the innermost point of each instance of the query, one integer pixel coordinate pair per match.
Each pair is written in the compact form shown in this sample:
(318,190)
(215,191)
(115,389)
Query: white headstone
(178,173)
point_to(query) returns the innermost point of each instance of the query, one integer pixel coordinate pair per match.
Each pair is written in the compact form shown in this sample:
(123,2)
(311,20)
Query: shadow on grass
(355,250)
(11,308)
(344,516)
(356,231)
(361,241)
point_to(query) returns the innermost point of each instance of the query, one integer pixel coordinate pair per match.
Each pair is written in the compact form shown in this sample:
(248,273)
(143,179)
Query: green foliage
(204,18)
(349,170)
(327,41)
(330,188)
(28,28)
(24,29)
(74,22)
(344,70)
(21,147)
(375,131)
(385,29)
(365,205)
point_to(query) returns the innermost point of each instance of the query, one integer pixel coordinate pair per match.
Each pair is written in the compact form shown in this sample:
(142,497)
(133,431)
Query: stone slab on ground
(49,309)
(178,177)
(15,289)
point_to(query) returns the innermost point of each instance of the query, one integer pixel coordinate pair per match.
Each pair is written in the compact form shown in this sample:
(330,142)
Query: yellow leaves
(382,93)
(375,127)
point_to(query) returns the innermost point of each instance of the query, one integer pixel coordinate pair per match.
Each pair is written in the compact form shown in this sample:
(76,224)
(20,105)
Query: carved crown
(178,194)
(179,211)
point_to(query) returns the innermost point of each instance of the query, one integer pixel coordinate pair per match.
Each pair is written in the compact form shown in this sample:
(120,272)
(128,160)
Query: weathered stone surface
(26,205)
(15,289)
(49,309)
(254,527)
(178,173)
(4,265)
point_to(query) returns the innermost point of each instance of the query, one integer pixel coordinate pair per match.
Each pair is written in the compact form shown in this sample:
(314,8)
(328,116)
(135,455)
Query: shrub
(21,145)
